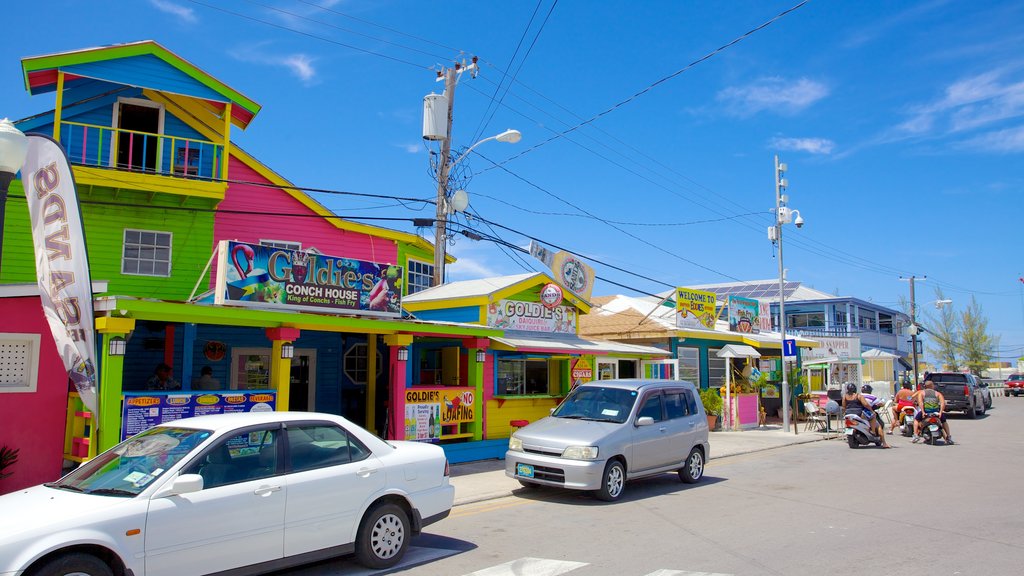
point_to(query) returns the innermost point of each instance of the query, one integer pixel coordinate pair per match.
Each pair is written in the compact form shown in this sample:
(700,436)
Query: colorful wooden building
(162,188)
(528,368)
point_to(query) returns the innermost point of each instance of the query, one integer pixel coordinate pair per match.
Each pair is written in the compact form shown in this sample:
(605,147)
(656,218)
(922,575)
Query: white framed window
(716,369)
(282,244)
(689,364)
(19,362)
(354,363)
(146,253)
(419,275)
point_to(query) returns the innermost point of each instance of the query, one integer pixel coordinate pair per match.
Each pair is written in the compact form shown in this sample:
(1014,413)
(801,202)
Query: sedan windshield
(126,469)
(597,403)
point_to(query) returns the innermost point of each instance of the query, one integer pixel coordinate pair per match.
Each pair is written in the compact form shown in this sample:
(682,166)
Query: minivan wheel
(694,469)
(612,482)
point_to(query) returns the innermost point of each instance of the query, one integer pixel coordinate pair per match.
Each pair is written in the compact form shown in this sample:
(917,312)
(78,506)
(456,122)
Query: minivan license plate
(524,470)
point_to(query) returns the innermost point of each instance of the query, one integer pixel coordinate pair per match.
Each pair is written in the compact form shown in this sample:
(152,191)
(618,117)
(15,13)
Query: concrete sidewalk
(486,480)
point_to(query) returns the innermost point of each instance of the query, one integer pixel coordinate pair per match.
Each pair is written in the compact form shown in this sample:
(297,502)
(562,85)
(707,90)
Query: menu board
(142,411)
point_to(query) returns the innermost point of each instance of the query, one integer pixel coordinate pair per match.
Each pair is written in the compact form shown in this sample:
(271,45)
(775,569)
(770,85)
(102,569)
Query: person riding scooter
(929,401)
(856,404)
(904,399)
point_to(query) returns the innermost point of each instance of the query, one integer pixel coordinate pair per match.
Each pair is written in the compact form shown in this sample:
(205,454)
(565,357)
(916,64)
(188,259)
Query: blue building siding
(146,70)
(468,314)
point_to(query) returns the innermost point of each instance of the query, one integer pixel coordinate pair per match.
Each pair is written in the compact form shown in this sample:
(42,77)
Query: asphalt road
(812,509)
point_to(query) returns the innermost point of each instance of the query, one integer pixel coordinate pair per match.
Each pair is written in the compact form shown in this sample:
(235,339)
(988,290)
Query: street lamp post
(13,149)
(783,215)
(443,207)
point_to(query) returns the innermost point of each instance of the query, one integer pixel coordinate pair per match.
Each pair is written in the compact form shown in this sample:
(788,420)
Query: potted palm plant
(712,400)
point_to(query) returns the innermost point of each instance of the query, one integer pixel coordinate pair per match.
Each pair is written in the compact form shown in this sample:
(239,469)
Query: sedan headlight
(580,453)
(515,444)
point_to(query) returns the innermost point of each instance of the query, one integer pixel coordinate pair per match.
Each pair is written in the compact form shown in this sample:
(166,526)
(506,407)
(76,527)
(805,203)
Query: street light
(459,201)
(13,149)
(783,215)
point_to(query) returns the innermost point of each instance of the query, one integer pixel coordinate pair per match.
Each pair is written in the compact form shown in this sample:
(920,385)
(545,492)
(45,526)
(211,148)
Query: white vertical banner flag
(61,261)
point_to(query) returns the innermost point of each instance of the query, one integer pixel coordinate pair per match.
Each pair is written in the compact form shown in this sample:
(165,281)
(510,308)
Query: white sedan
(264,491)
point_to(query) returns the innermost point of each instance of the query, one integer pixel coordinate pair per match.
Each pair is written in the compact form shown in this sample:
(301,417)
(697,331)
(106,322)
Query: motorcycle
(906,421)
(931,428)
(858,427)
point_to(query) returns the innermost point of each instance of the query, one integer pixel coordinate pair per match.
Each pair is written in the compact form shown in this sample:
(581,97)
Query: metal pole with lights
(13,149)
(437,125)
(783,215)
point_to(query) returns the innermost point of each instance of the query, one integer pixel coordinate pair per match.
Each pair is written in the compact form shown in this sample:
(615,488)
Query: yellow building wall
(499,413)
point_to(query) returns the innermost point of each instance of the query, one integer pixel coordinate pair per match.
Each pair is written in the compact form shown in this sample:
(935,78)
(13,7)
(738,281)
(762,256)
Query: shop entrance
(250,370)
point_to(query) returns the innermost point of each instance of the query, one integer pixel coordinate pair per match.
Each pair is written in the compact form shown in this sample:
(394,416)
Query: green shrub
(8,456)
(712,401)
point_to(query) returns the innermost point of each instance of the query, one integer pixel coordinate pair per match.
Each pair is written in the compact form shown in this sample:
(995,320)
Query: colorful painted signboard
(261,276)
(743,315)
(695,309)
(531,317)
(143,411)
(581,371)
(764,316)
(428,409)
(569,270)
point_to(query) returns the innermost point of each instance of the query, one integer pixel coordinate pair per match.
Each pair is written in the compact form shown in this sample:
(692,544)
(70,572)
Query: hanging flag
(61,261)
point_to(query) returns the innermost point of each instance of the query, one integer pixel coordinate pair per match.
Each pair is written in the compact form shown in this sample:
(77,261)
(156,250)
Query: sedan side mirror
(644,421)
(183,484)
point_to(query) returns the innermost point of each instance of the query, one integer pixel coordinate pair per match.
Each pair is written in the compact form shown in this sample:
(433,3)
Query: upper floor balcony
(144,160)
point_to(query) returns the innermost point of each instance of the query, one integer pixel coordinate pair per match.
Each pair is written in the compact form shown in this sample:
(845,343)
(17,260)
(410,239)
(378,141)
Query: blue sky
(902,124)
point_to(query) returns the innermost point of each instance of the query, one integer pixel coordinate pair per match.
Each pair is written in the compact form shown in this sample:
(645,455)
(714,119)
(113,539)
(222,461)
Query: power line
(660,81)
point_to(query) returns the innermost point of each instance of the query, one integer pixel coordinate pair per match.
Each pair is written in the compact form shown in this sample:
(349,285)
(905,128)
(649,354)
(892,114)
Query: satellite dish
(460,200)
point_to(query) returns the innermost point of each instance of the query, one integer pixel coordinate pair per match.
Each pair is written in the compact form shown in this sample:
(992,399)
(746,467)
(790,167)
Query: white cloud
(301,65)
(976,102)
(183,12)
(773,94)
(411,148)
(809,145)
(1007,141)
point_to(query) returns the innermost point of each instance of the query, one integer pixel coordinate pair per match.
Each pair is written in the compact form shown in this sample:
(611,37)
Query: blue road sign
(789,347)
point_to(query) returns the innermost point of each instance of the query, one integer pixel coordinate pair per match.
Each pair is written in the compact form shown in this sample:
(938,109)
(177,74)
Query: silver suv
(610,431)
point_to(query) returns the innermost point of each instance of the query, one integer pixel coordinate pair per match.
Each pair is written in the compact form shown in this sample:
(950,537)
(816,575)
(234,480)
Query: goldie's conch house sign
(259,276)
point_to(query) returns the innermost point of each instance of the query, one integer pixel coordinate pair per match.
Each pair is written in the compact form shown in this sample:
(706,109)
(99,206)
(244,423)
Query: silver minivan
(609,431)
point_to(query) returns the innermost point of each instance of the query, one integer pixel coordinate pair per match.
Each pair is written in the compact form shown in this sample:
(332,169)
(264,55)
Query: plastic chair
(816,420)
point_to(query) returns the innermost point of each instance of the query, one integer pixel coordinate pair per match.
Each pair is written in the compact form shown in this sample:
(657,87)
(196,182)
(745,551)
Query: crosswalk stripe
(684,573)
(530,567)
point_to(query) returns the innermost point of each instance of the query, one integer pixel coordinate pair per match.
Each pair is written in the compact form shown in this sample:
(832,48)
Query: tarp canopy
(876,354)
(737,351)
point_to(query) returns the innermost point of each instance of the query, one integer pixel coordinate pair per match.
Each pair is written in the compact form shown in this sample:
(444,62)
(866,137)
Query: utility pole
(450,76)
(913,324)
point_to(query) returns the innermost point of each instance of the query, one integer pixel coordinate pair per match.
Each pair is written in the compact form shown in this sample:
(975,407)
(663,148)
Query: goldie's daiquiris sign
(261,276)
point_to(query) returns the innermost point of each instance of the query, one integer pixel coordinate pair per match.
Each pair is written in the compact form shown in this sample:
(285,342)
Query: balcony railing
(135,151)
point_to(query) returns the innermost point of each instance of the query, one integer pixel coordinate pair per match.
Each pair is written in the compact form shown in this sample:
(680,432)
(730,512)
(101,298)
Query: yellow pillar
(281,368)
(57,107)
(111,383)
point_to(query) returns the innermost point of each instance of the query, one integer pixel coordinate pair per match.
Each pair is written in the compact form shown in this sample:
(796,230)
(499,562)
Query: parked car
(986,394)
(961,391)
(1015,385)
(259,491)
(610,431)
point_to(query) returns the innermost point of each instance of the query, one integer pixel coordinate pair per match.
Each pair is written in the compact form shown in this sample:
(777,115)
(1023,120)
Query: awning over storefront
(759,340)
(737,351)
(140,309)
(545,343)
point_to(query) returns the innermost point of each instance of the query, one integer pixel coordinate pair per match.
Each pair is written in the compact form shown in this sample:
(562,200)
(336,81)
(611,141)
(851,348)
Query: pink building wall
(311,231)
(34,422)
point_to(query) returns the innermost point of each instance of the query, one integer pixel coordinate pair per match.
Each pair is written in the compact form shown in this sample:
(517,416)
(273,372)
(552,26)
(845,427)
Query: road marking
(530,567)
(684,573)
